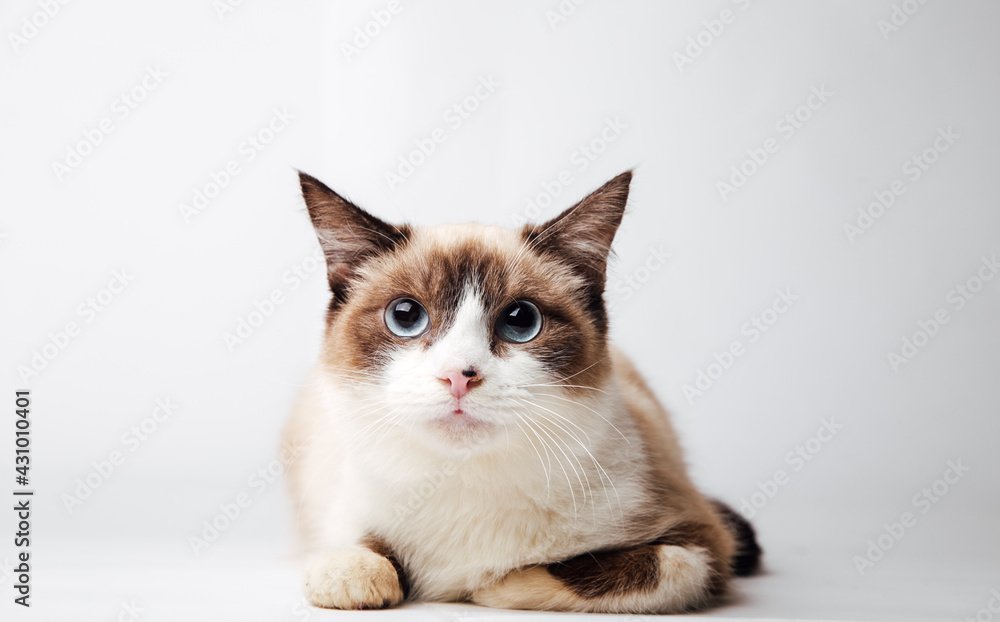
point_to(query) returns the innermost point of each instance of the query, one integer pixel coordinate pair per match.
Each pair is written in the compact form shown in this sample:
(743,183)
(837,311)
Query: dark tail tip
(746,561)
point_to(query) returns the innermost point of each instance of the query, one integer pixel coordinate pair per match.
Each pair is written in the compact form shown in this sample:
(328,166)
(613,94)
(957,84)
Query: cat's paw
(352,578)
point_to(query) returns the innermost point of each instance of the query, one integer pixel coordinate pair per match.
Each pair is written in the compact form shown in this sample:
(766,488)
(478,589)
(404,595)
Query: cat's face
(459,333)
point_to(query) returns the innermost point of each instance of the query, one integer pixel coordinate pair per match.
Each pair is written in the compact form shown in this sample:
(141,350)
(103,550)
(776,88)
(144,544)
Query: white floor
(103,581)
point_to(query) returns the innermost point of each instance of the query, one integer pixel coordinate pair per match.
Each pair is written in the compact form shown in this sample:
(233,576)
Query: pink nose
(460,382)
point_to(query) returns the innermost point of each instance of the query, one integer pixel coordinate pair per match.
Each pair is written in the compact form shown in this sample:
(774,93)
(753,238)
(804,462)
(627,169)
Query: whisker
(298,453)
(566,419)
(602,473)
(359,436)
(566,399)
(396,420)
(598,361)
(568,386)
(527,422)
(538,453)
(546,430)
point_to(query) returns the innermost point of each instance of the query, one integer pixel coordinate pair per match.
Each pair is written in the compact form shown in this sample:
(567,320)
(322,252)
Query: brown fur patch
(636,569)
(610,573)
(381,547)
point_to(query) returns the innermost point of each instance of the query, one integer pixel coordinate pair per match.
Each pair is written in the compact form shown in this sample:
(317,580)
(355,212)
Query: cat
(469,434)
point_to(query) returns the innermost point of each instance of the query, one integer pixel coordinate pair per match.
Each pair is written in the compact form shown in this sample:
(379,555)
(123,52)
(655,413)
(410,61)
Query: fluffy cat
(469,434)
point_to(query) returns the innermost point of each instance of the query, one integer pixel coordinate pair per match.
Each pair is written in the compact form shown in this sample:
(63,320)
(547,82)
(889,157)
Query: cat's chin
(460,421)
(461,428)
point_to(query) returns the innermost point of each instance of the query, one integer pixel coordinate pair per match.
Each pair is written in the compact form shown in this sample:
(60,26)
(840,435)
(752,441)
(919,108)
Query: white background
(355,115)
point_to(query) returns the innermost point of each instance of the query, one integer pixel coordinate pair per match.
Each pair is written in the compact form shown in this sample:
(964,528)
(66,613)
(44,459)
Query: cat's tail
(746,561)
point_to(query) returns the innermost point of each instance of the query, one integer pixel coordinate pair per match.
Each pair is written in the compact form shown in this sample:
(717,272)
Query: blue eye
(406,318)
(520,322)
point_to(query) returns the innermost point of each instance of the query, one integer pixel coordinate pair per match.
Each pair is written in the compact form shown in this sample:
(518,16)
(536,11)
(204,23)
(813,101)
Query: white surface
(809,576)
(163,337)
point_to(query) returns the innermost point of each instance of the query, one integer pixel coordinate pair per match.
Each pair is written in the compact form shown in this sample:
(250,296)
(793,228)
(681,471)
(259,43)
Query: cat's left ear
(348,234)
(582,235)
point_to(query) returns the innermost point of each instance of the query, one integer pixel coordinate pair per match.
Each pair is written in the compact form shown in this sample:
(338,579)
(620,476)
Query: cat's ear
(348,234)
(582,235)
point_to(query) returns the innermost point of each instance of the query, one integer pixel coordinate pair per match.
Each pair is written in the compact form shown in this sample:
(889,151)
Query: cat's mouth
(460,411)
(460,419)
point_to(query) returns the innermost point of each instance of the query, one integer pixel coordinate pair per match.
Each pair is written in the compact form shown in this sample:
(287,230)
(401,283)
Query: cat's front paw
(352,578)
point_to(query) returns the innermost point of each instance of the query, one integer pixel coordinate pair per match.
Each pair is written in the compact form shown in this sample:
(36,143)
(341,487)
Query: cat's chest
(456,532)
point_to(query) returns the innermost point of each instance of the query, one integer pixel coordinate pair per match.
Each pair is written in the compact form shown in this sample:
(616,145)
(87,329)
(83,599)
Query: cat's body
(511,459)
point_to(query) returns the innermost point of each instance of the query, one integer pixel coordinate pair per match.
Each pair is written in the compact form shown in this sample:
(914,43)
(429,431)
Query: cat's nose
(461,382)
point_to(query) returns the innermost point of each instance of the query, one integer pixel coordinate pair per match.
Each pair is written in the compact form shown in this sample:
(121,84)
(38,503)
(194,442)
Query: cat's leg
(649,578)
(365,576)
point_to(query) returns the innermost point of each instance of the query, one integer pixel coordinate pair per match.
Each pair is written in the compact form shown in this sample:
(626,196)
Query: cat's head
(459,334)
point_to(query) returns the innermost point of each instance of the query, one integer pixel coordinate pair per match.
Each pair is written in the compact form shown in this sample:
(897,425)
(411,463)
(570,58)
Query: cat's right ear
(349,235)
